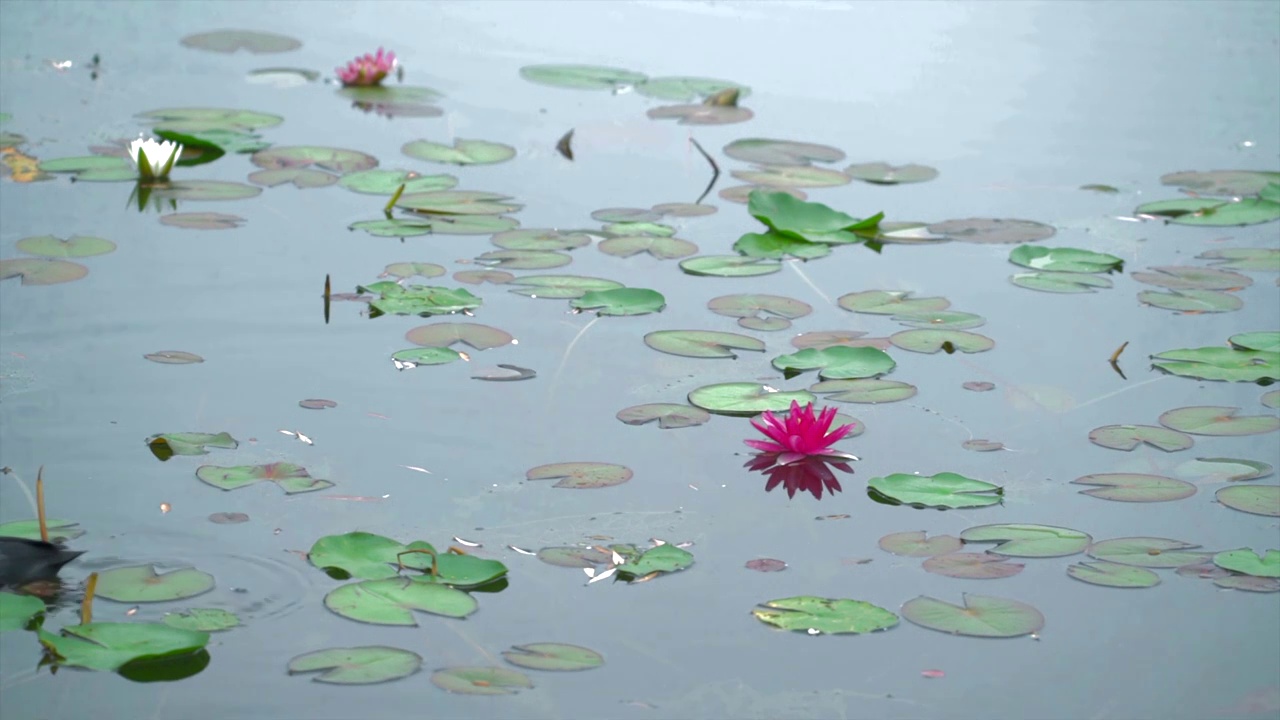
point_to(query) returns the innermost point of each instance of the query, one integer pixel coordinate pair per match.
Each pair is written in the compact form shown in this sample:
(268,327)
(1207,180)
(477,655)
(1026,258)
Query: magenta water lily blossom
(367,70)
(800,434)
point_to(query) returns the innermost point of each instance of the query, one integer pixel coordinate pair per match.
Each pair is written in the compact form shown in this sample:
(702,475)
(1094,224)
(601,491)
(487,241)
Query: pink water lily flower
(367,70)
(800,434)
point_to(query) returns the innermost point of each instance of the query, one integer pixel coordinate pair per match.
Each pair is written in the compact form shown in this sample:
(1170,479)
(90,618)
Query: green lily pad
(1029,540)
(880,173)
(301,178)
(1135,487)
(946,489)
(742,193)
(1128,437)
(141,583)
(684,209)
(829,338)
(336,160)
(553,656)
(916,544)
(393,601)
(865,391)
(745,399)
(636,227)
(203,143)
(462,152)
(406,270)
(1220,363)
(479,277)
(1270,399)
(474,335)
(1192,301)
(729,266)
(777,246)
(701,343)
(993,230)
(621,301)
(1248,583)
(413,357)
(1250,562)
(291,478)
(980,616)
(1261,341)
(1221,182)
(701,114)
(524,259)
(437,225)
(582,77)
(792,176)
(197,119)
(623,214)
(760,312)
(940,320)
(764,151)
(93,168)
(109,646)
(396,299)
(167,445)
(972,566)
(1147,552)
(457,202)
(357,665)
(801,220)
(816,615)
(203,619)
(388,182)
(17,611)
(1179,277)
(42,271)
(356,554)
(540,239)
(560,287)
(60,531)
(931,341)
(463,572)
(581,475)
(664,558)
(1114,575)
(890,302)
(662,248)
(481,680)
(1058,282)
(686,89)
(74,246)
(1216,420)
(1217,470)
(203,220)
(1250,259)
(252,41)
(1071,260)
(1254,499)
(837,362)
(1213,212)
(669,415)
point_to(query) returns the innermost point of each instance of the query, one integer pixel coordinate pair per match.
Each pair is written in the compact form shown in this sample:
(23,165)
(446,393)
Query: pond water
(1017,105)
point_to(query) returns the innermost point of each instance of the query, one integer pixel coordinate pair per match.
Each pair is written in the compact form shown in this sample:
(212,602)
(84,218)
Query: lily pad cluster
(1063,270)
(50,265)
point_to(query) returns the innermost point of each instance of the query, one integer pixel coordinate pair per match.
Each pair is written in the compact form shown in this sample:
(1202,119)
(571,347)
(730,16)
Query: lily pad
(60,531)
(475,335)
(1250,562)
(479,277)
(764,151)
(109,646)
(669,415)
(203,619)
(252,41)
(980,616)
(808,221)
(42,271)
(396,299)
(1248,583)
(865,391)
(1254,499)
(729,266)
(356,554)
(17,611)
(837,363)
(582,77)
(357,665)
(457,202)
(1071,260)
(745,399)
(637,227)
(665,558)
(880,173)
(394,600)
(1114,575)
(540,239)
(301,178)
(462,152)
(890,302)
(437,225)
(560,287)
(1217,470)
(742,193)
(205,190)
(621,301)
(946,489)
(553,656)
(1059,282)
(916,544)
(291,478)
(336,160)
(1218,421)
(524,259)
(777,246)
(686,89)
(1213,212)
(1220,363)
(993,230)
(1221,182)
(413,357)
(141,583)
(388,182)
(972,566)
(1192,301)
(1128,437)
(776,177)
(1249,259)
(1147,552)
(701,343)
(701,114)
(940,320)
(167,445)
(74,246)
(1262,341)
(1135,487)
(931,341)
(581,475)
(203,221)
(481,680)
(1178,277)
(622,214)
(92,168)
(1029,540)
(760,312)
(406,270)
(816,615)
(829,338)
(662,248)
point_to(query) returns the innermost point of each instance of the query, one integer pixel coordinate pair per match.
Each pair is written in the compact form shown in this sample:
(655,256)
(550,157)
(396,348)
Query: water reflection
(809,474)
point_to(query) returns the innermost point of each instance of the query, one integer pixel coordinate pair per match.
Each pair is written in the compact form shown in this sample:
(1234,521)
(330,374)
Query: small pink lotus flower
(800,434)
(367,70)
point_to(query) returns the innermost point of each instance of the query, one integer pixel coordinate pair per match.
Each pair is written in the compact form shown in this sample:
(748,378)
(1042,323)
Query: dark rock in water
(23,561)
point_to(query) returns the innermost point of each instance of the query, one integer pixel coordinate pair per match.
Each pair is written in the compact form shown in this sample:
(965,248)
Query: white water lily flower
(154,159)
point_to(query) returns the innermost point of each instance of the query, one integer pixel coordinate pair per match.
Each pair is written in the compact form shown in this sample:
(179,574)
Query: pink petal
(765,445)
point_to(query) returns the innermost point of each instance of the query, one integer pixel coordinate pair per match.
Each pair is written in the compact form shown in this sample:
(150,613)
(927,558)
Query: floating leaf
(393,601)
(475,335)
(478,277)
(972,566)
(993,230)
(946,489)
(777,246)
(92,168)
(291,478)
(662,248)
(754,310)
(745,399)
(463,572)
(684,209)
(540,239)
(1223,469)
(668,415)
(777,177)
(1255,259)
(685,89)
(169,444)
(828,338)
(481,680)
(1248,583)
(621,301)
(1220,363)
(880,173)
(808,221)
(356,554)
(1029,540)
(1261,341)
(766,565)
(1216,420)
(17,611)
(1255,499)
(1070,260)
(396,299)
(74,246)
(357,665)
(1213,212)
(1128,437)
(890,302)
(388,182)
(615,215)
(1250,562)
(457,202)
(620,229)
(553,656)
(982,445)
(1191,301)
(700,114)
(436,224)
(41,271)
(462,152)
(301,178)
(728,266)
(203,619)
(332,159)
(1135,487)
(837,363)
(203,221)
(109,646)
(1109,574)
(229,41)
(765,151)
(581,475)
(60,531)
(664,558)
(524,259)
(701,343)
(1147,552)
(742,193)
(1221,182)
(865,391)
(405,359)
(816,615)
(981,616)
(940,320)
(406,270)
(560,287)
(915,544)
(1177,277)
(931,341)
(581,77)
(141,583)
(1057,282)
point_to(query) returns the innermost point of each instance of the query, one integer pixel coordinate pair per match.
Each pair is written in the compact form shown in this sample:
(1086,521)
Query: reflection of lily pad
(816,615)
(229,41)
(745,399)
(336,160)
(462,152)
(202,220)
(1135,487)
(1128,437)
(481,680)
(74,246)
(291,478)
(357,665)
(205,190)
(668,415)
(700,114)
(993,230)
(1028,540)
(946,489)
(1215,420)
(701,343)
(196,119)
(981,616)
(686,89)
(1255,499)
(42,271)
(141,583)
(581,77)
(581,475)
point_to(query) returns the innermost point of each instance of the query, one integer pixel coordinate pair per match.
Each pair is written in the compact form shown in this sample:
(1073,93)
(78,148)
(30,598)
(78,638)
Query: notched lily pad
(1114,575)
(142,583)
(474,335)
(336,160)
(553,656)
(668,415)
(980,616)
(1148,552)
(74,246)
(167,445)
(560,287)
(745,399)
(1060,282)
(993,230)
(837,362)
(1218,421)
(1135,487)
(946,489)
(917,544)
(481,680)
(462,152)
(1220,363)
(581,475)
(701,343)
(972,566)
(881,173)
(1028,540)
(1128,437)
(291,478)
(948,341)
(818,615)
(760,312)
(1071,260)
(42,271)
(729,266)
(865,391)
(621,301)
(363,665)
